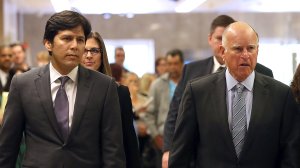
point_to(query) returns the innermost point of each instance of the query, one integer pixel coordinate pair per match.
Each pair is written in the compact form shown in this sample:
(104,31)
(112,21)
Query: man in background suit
(238,117)
(70,115)
(6,72)
(198,69)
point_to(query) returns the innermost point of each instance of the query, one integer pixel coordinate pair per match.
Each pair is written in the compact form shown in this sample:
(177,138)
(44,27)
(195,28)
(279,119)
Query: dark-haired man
(70,115)
(199,69)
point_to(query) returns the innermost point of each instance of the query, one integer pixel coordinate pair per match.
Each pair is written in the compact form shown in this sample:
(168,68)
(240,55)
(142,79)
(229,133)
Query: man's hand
(165,159)
(158,140)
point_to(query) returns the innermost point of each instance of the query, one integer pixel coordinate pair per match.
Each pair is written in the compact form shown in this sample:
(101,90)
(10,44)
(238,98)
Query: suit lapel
(260,94)
(42,83)
(220,105)
(83,92)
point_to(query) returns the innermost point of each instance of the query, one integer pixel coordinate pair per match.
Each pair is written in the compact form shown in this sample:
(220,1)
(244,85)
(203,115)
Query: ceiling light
(188,5)
(60,5)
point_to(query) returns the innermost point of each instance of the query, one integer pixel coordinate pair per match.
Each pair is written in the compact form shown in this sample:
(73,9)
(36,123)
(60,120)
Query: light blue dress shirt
(230,83)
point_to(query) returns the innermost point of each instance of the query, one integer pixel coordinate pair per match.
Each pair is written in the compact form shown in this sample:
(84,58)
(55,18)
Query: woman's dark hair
(104,67)
(295,84)
(117,71)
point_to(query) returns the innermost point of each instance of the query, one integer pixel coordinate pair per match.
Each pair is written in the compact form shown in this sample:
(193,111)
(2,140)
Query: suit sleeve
(290,134)
(185,134)
(111,131)
(12,129)
(173,111)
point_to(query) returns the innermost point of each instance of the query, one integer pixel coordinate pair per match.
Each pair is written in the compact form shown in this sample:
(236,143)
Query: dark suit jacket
(272,139)
(95,138)
(192,71)
(129,136)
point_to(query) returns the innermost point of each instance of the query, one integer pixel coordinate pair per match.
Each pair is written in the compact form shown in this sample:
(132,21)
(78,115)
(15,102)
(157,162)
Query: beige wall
(184,31)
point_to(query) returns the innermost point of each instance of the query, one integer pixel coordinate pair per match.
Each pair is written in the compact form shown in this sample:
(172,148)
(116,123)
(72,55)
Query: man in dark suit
(198,69)
(238,117)
(70,115)
(6,72)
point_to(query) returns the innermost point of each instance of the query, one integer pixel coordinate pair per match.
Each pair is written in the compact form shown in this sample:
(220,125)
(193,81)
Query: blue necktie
(61,107)
(239,123)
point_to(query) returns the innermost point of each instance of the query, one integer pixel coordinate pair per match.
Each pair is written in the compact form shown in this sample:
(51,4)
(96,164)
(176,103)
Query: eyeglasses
(93,51)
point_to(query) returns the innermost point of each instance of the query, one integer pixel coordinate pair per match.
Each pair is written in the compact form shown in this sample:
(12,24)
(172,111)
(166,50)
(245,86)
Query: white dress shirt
(70,87)
(3,77)
(217,65)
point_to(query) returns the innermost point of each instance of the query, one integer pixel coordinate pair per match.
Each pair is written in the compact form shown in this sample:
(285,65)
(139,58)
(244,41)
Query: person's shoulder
(95,75)
(270,82)
(263,69)
(208,79)
(198,63)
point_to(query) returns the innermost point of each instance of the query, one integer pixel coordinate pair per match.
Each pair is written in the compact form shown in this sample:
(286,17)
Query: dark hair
(116,71)
(65,20)
(17,44)
(157,61)
(176,52)
(221,21)
(295,84)
(104,67)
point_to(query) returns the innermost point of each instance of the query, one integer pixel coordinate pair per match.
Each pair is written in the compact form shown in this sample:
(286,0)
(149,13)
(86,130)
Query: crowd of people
(78,110)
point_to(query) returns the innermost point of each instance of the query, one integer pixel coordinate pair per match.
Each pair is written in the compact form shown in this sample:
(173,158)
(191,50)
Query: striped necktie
(239,123)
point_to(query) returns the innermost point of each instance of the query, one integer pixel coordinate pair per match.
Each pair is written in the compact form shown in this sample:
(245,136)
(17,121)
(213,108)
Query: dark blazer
(129,136)
(202,129)
(95,138)
(192,71)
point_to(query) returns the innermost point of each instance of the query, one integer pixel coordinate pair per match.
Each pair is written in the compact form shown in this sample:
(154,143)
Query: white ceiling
(157,6)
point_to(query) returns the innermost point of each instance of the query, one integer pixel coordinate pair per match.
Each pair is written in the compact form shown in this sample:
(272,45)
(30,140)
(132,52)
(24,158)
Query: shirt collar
(54,74)
(217,64)
(231,81)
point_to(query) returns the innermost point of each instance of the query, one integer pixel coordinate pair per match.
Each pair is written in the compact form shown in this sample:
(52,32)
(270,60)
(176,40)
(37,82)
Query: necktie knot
(221,68)
(239,88)
(63,80)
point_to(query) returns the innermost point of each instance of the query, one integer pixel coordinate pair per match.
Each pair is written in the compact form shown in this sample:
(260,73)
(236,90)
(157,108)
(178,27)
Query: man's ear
(222,51)
(48,45)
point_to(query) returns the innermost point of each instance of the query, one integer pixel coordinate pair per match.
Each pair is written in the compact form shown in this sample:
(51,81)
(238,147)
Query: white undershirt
(3,77)
(70,87)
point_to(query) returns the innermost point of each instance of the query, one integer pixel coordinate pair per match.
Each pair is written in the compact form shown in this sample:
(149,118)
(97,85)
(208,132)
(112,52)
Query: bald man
(253,125)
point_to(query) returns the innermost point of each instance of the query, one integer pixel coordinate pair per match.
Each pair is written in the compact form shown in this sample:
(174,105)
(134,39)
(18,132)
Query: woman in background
(295,85)
(95,58)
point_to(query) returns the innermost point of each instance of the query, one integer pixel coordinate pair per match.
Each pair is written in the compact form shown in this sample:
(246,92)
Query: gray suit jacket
(202,131)
(95,138)
(191,71)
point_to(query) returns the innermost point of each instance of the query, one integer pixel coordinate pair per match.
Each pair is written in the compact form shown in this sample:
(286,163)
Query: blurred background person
(145,83)
(42,58)
(95,58)
(6,72)
(160,66)
(139,105)
(162,90)
(120,57)
(295,85)
(19,58)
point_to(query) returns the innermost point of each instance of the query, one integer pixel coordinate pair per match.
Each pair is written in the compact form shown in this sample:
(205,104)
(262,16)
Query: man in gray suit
(198,69)
(238,117)
(70,115)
